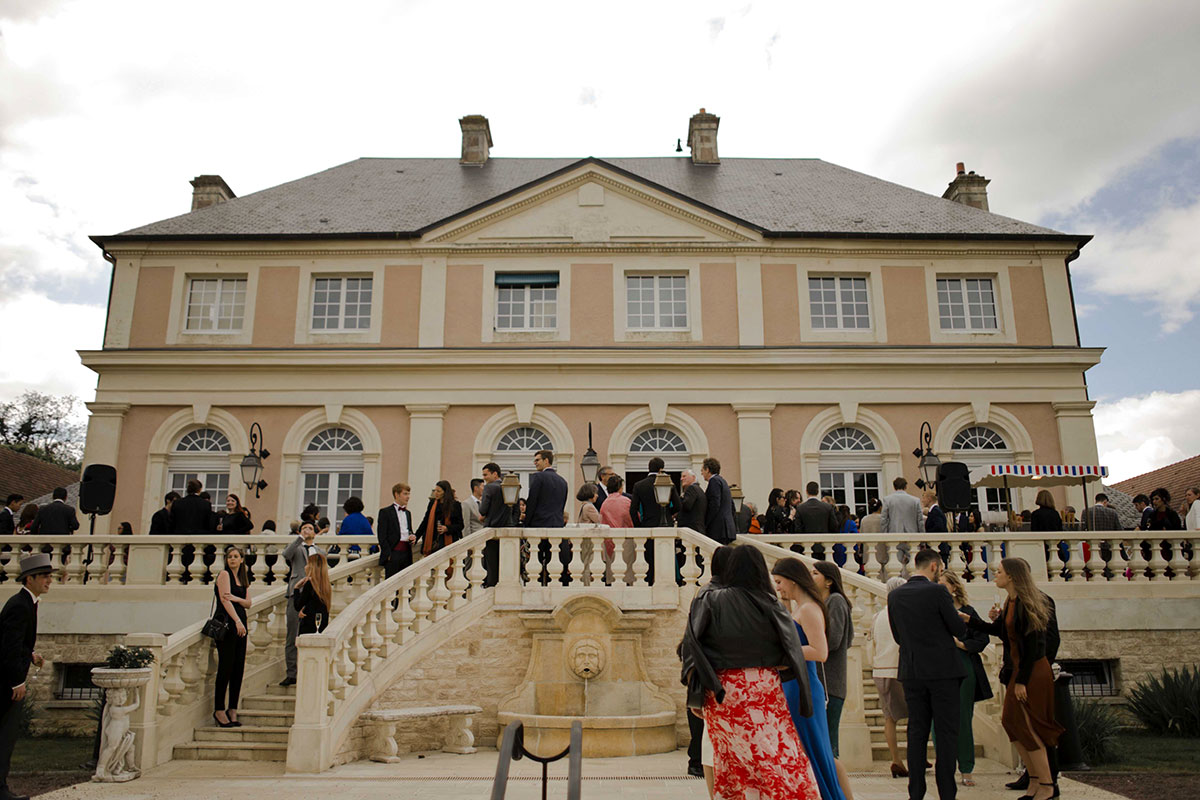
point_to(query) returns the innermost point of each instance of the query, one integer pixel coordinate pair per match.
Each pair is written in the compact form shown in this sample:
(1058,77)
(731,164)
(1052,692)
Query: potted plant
(126,667)
(122,676)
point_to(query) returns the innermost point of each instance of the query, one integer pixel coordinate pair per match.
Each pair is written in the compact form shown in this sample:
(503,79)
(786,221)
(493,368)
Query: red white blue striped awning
(1036,474)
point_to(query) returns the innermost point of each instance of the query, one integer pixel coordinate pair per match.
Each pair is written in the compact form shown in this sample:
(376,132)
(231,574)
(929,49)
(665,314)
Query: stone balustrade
(178,697)
(163,560)
(1093,556)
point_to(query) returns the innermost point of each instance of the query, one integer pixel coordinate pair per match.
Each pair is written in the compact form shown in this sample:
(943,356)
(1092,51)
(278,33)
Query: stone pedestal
(117,762)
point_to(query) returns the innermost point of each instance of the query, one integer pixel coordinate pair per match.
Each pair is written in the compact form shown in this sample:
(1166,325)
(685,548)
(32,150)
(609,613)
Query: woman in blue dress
(795,585)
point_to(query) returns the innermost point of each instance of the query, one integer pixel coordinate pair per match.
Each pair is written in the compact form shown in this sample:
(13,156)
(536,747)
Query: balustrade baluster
(116,573)
(641,567)
(387,627)
(1178,564)
(95,562)
(1094,564)
(280,568)
(622,566)
(958,562)
(337,678)
(476,574)
(1074,563)
(1158,564)
(1137,561)
(575,570)
(1194,563)
(192,672)
(691,565)
(1118,564)
(438,593)
(995,553)
(277,627)
(259,571)
(457,583)
(871,566)
(73,563)
(891,564)
(358,655)
(174,563)
(173,685)
(12,567)
(421,603)
(218,565)
(976,565)
(260,637)
(404,615)
(1054,562)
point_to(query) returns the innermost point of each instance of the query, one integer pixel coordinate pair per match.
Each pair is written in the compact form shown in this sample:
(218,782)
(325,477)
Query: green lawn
(1138,752)
(50,754)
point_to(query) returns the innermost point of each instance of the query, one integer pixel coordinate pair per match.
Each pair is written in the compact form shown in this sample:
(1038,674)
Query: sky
(1084,115)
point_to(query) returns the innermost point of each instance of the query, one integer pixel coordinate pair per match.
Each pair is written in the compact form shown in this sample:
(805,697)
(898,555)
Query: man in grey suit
(296,555)
(472,520)
(901,511)
(718,512)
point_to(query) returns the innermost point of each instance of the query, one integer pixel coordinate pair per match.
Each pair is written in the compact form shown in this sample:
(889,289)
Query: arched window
(331,469)
(978,445)
(851,467)
(666,444)
(514,452)
(201,454)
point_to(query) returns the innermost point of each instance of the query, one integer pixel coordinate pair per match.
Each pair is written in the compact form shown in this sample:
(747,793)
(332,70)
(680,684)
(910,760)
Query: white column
(103,447)
(431,330)
(424,448)
(1077,442)
(750,301)
(754,451)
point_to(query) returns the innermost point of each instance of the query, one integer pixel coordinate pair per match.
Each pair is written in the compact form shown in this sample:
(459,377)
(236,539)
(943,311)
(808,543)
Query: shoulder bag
(216,628)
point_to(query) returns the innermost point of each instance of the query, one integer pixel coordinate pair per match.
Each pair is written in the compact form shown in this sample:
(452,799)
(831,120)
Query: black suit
(8,522)
(691,508)
(546,501)
(814,515)
(395,550)
(495,515)
(644,509)
(160,522)
(925,625)
(601,496)
(935,521)
(55,519)
(18,634)
(718,512)
(192,514)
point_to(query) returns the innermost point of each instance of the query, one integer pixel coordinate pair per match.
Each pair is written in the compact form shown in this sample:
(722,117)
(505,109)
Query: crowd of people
(764,665)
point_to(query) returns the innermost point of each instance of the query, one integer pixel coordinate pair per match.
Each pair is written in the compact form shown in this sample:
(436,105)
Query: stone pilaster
(754,451)
(104,445)
(424,447)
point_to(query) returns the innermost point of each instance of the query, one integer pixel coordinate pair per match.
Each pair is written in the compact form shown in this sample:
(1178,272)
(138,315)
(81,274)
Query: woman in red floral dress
(738,639)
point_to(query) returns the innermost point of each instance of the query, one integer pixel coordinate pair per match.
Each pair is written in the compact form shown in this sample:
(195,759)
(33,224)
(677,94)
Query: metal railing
(512,748)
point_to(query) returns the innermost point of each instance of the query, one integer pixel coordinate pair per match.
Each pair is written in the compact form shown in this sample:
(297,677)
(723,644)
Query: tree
(44,426)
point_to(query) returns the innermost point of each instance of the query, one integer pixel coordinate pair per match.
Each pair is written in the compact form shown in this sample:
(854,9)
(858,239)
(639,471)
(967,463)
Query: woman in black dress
(313,595)
(233,600)
(443,520)
(235,519)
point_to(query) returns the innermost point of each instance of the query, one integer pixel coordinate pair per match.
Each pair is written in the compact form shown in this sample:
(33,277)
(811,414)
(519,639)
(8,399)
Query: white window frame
(488,331)
(988,499)
(309,273)
(656,280)
(520,461)
(527,302)
(648,265)
(341,306)
(673,460)
(335,465)
(1005,331)
(214,316)
(840,302)
(963,286)
(847,268)
(848,463)
(210,467)
(177,332)
(849,488)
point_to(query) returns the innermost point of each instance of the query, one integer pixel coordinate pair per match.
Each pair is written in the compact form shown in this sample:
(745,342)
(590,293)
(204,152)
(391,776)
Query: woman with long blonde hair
(313,595)
(1028,713)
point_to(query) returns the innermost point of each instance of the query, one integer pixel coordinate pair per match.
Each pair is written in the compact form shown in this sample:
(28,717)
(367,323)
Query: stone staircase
(266,720)
(874,715)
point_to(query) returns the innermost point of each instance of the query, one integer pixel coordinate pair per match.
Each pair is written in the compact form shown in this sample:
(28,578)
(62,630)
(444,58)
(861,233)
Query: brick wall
(65,717)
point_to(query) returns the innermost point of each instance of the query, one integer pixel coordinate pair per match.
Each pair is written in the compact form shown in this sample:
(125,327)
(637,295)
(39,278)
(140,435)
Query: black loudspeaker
(954,486)
(98,489)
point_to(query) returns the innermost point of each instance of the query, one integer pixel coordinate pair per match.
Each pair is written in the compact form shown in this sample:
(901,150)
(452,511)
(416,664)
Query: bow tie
(403,508)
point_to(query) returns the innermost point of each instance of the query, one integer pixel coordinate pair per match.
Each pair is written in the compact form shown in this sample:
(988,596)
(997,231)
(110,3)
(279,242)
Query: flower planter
(107,678)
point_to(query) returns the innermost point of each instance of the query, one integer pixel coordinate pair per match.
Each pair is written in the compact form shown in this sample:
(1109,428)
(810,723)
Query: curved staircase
(266,721)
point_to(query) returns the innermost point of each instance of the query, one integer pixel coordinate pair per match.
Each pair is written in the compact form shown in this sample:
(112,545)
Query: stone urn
(116,763)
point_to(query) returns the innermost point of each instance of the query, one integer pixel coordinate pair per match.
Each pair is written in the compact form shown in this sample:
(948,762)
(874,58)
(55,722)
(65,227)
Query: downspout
(111,259)
(1074,313)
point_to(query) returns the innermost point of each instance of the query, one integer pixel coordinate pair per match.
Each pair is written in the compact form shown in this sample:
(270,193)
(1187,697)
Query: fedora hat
(36,564)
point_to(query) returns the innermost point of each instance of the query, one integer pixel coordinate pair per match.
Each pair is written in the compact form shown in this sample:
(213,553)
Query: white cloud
(37,349)
(1156,263)
(1142,433)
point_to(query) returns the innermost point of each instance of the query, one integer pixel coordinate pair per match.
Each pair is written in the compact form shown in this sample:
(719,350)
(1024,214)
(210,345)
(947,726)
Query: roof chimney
(702,138)
(208,190)
(967,188)
(476,139)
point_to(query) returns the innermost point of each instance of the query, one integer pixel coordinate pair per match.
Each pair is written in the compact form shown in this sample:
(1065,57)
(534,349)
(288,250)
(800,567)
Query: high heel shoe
(899,771)
(221,724)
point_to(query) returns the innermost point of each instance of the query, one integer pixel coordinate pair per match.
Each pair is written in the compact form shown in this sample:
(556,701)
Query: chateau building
(412,319)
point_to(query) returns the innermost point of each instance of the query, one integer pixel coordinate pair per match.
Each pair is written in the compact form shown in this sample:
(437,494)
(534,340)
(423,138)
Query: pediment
(592,205)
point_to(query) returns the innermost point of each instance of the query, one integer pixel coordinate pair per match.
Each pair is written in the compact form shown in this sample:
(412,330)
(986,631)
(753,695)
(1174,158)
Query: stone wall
(65,717)
(1138,654)
(487,662)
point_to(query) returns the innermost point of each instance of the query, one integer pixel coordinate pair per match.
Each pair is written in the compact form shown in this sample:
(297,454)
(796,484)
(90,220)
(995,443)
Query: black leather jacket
(733,628)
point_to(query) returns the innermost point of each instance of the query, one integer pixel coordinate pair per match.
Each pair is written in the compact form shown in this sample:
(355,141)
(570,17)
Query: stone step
(269,702)
(270,717)
(276,734)
(231,751)
(286,691)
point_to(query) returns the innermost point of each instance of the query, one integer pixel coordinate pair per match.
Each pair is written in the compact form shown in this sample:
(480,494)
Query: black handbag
(216,628)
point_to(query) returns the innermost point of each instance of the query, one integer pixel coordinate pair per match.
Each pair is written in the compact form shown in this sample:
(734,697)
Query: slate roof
(402,197)
(29,476)
(1176,478)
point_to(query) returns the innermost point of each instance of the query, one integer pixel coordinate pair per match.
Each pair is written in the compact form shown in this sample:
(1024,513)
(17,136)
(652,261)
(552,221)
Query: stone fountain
(587,664)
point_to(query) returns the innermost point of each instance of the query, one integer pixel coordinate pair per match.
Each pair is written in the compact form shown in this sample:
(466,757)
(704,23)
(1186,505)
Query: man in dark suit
(602,476)
(18,635)
(56,518)
(192,514)
(393,527)
(496,514)
(925,625)
(547,494)
(718,511)
(935,518)
(8,514)
(644,510)
(814,515)
(160,522)
(692,504)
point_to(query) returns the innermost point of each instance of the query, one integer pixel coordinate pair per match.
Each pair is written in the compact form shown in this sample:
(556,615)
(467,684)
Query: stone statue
(587,658)
(115,764)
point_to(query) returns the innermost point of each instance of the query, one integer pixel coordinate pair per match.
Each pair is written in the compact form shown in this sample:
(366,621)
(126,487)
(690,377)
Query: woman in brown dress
(1028,713)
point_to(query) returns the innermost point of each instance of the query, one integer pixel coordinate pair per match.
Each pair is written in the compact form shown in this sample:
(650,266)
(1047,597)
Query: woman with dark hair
(1045,517)
(29,513)
(700,750)
(974,686)
(313,595)
(1163,517)
(839,633)
(234,518)
(777,519)
(736,639)
(233,598)
(442,524)
(795,585)
(873,521)
(588,513)
(1028,713)
(354,523)
(614,511)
